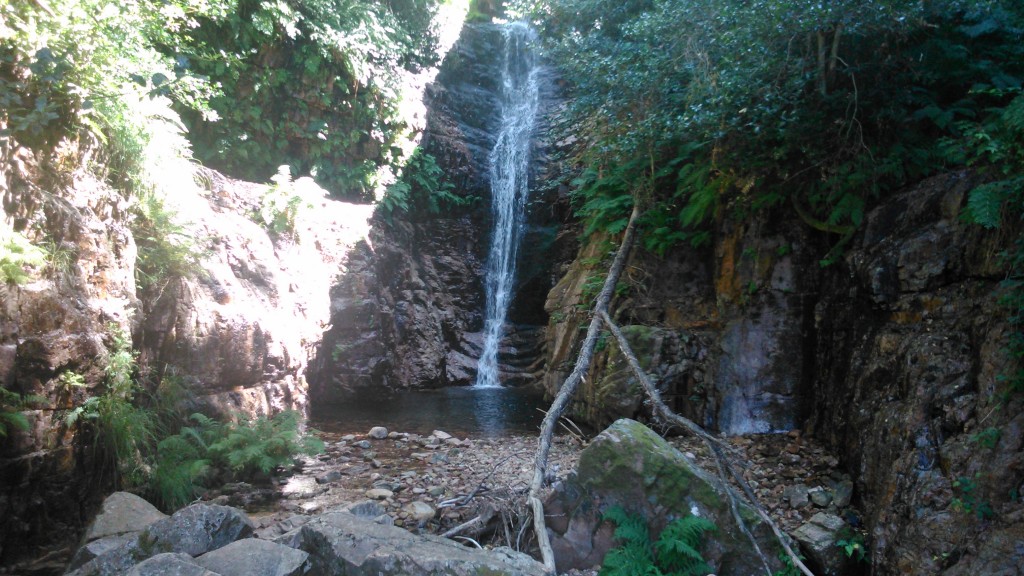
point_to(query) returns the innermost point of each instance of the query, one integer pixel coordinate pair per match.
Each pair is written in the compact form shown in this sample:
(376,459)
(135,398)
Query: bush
(217,451)
(676,552)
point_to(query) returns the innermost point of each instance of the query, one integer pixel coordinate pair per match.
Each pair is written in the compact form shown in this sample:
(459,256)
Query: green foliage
(167,249)
(852,544)
(311,83)
(422,188)
(989,437)
(676,552)
(16,255)
(789,568)
(11,406)
(123,431)
(968,500)
(747,107)
(281,204)
(225,451)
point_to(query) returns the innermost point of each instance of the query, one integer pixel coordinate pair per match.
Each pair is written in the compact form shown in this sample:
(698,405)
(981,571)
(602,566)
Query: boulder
(194,530)
(121,513)
(342,543)
(254,557)
(817,538)
(170,564)
(97,548)
(629,465)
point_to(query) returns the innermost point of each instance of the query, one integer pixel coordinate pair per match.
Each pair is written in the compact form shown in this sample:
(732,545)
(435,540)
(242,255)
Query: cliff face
(409,312)
(237,332)
(892,356)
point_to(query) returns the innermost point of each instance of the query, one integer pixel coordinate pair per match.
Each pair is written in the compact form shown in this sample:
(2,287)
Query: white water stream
(509,172)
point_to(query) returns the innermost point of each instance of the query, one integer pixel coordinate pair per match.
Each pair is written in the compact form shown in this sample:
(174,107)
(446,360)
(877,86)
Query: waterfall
(509,174)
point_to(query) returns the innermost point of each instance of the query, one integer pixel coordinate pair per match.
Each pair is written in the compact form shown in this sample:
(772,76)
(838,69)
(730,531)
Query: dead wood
(569,386)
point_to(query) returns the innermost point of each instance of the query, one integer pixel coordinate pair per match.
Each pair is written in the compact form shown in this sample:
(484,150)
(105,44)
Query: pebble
(379,493)
(378,433)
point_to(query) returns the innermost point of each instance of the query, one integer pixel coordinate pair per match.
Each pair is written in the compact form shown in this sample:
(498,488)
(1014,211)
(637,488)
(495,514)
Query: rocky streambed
(473,489)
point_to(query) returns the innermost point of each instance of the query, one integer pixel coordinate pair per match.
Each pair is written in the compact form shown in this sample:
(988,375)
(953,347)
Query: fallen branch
(569,386)
(463,526)
(718,448)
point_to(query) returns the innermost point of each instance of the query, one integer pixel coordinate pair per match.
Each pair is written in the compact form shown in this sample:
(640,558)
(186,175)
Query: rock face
(629,465)
(892,356)
(721,328)
(238,332)
(341,543)
(409,312)
(909,332)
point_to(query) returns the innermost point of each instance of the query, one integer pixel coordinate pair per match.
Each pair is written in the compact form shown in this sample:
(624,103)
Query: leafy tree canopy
(698,106)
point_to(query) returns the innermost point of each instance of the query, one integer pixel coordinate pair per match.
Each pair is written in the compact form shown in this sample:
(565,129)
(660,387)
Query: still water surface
(473,412)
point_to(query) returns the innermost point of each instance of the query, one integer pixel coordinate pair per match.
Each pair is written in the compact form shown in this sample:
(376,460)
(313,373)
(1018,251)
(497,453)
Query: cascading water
(509,171)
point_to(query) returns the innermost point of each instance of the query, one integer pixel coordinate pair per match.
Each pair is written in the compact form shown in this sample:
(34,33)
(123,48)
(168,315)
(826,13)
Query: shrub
(675,553)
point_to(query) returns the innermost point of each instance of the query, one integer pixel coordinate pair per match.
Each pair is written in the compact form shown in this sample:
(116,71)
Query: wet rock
(631,466)
(340,543)
(254,557)
(378,433)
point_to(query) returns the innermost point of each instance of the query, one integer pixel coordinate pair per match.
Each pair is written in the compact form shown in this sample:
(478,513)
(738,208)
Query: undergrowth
(675,553)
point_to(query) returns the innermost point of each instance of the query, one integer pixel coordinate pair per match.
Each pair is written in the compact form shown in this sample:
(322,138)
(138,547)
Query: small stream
(463,412)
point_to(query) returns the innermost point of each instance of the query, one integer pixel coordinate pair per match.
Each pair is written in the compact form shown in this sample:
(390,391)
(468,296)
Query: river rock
(341,543)
(420,512)
(378,433)
(122,512)
(194,530)
(98,547)
(328,477)
(629,465)
(379,493)
(842,493)
(797,496)
(170,564)
(254,557)
(817,540)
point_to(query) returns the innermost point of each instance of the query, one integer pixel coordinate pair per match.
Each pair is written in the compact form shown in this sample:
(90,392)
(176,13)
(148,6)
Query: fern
(676,552)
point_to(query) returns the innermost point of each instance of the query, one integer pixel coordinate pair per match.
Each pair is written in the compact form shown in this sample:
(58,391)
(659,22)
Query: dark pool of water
(474,412)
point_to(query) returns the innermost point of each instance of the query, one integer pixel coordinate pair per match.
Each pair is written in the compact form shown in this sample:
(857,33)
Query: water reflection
(475,412)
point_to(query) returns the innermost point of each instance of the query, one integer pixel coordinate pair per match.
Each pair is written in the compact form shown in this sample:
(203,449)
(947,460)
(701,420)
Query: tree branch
(569,386)
(663,412)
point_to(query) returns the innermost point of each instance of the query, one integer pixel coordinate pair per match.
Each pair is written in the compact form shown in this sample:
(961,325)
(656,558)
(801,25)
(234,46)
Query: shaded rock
(194,530)
(419,511)
(341,543)
(820,497)
(328,477)
(122,512)
(817,540)
(254,557)
(378,433)
(170,564)
(796,495)
(631,466)
(842,494)
(278,528)
(98,547)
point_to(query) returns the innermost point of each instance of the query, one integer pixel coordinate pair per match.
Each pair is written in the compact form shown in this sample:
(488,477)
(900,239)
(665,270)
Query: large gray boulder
(253,557)
(340,543)
(194,530)
(121,513)
(631,466)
